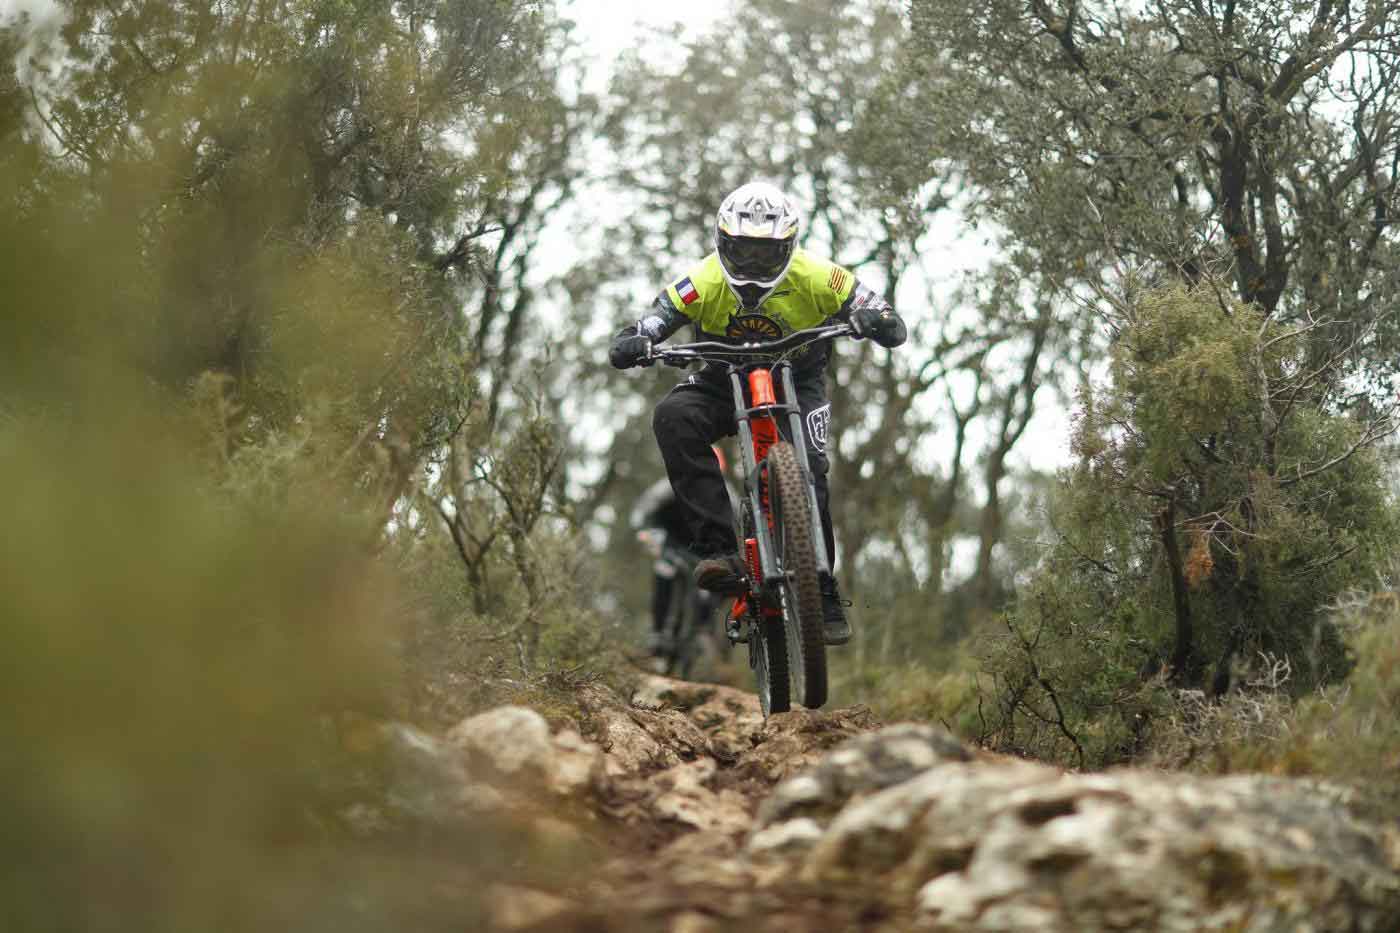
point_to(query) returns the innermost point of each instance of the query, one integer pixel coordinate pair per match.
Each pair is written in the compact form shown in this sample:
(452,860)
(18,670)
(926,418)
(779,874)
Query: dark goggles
(754,258)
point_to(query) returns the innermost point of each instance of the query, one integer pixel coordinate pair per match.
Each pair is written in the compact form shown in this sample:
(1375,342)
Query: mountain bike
(779,616)
(690,610)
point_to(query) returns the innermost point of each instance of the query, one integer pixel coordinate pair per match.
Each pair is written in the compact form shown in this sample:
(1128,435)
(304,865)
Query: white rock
(516,908)
(786,838)
(578,763)
(511,739)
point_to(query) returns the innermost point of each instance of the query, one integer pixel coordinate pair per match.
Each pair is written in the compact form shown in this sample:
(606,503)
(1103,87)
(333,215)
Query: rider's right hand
(631,351)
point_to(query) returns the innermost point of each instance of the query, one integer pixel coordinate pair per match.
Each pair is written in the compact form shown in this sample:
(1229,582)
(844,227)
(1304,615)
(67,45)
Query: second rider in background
(663,528)
(757,285)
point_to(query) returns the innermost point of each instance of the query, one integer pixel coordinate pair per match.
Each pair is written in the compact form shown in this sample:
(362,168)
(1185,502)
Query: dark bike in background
(687,630)
(780,615)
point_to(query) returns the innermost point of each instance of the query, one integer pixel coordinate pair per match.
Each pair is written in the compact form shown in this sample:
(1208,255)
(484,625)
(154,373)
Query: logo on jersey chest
(753,327)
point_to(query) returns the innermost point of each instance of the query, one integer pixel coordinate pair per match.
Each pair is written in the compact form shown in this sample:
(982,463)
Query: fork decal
(818,420)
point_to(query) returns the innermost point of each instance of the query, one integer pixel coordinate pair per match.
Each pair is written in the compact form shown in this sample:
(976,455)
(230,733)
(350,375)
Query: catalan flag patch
(686,289)
(837,280)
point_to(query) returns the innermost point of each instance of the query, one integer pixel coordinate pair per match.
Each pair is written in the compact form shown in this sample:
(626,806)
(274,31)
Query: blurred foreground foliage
(171,662)
(237,241)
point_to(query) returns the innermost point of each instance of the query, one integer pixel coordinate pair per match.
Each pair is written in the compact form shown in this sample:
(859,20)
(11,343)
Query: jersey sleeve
(684,293)
(862,296)
(833,288)
(661,320)
(893,330)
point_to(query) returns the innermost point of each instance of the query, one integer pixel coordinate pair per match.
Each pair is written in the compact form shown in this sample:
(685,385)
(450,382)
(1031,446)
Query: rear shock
(733,625)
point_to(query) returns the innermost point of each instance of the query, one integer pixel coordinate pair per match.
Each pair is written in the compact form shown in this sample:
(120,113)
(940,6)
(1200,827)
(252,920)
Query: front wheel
(768,657)
(793,527)
(768,654)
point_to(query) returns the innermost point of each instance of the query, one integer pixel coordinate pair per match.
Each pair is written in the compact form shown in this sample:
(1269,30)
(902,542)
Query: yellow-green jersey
(814,291)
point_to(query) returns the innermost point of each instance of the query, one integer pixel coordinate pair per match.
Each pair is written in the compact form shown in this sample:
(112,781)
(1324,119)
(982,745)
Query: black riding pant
(699,412)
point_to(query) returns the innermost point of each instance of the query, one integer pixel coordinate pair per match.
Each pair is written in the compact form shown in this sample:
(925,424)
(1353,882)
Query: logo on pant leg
(817,421)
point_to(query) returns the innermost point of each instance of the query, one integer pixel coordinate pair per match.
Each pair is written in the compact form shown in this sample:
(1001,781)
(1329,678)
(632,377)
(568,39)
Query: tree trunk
(1183,652)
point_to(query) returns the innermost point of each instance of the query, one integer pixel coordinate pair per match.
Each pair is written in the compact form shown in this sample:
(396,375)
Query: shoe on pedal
(724,574)
(836,630)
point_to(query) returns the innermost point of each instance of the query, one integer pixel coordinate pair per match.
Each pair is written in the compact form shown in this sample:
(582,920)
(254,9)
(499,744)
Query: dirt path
(684,769)
(679,808)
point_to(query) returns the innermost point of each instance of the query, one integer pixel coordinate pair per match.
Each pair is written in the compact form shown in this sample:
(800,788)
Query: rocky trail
(678,808)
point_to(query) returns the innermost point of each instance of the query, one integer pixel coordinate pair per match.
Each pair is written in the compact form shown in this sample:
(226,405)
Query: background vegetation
(305,421)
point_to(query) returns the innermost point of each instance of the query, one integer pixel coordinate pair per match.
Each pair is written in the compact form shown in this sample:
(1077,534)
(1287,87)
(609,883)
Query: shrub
(1348,732)
(1225,491)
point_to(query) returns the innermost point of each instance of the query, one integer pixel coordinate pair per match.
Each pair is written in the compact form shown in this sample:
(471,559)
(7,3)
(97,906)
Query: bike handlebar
(709,350)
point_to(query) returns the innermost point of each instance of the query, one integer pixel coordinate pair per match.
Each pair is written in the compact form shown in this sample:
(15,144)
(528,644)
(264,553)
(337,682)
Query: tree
(308,198)
(1219,502)
(270,172)
(1183,134)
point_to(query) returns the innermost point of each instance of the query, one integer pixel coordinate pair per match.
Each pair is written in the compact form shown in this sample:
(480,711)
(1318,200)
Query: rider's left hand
(880,325)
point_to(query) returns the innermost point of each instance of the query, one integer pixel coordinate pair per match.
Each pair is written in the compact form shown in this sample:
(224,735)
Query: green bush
(1348,732)
(1222,496)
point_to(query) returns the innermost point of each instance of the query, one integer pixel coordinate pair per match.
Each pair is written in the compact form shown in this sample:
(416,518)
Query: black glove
(879,324)
(630,351)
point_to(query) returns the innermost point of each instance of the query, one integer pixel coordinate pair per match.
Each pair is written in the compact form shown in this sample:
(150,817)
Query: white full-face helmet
(755,235)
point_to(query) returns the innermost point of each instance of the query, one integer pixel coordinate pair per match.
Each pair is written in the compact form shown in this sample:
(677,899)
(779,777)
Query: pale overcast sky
(611,25)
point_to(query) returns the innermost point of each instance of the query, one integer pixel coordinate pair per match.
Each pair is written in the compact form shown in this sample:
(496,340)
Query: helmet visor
(758,259)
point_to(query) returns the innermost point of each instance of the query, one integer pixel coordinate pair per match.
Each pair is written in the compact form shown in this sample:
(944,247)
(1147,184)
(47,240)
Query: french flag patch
(686,289)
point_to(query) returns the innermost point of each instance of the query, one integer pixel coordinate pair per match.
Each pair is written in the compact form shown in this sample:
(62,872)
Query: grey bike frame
(744,413)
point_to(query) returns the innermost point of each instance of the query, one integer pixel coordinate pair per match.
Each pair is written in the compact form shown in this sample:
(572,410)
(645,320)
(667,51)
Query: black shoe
(835,629)
(724,574)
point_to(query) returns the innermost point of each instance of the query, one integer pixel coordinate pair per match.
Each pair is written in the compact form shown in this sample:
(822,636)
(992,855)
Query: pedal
(734,631)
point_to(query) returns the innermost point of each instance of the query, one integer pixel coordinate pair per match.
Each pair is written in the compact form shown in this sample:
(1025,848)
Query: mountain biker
(757,284)
(660,521)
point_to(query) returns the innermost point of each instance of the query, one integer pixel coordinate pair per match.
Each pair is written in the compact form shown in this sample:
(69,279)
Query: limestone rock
(639,738)
(701,814)
(425,773)
(507,741)
(1010,845)
(862,765)
(512,907)
(785,839)
(578,764)
(425,781)
(684,797)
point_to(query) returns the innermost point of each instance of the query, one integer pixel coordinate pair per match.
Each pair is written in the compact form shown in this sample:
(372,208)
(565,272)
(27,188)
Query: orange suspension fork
(764,427)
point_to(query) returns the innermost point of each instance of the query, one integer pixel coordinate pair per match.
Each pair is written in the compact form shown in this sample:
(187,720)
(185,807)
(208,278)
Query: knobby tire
(800,641)
(767,648)
(767,643)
